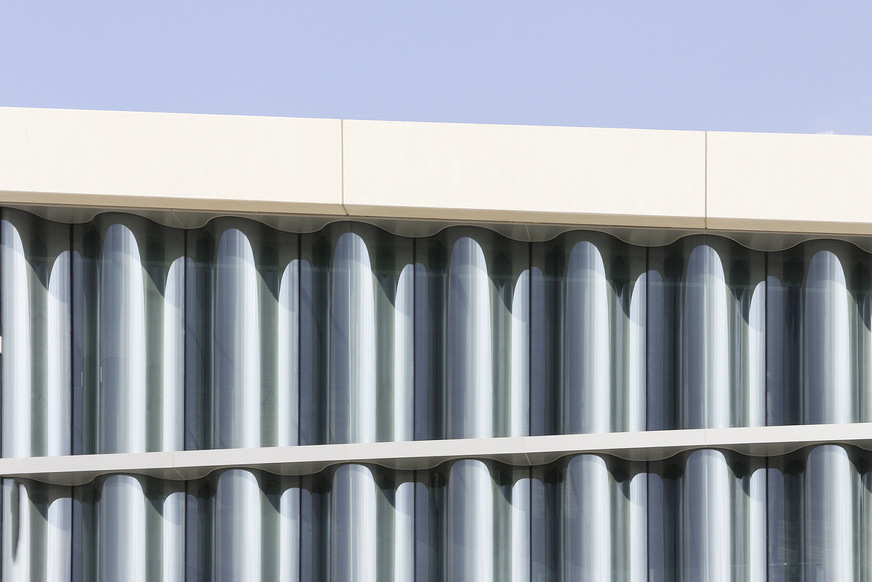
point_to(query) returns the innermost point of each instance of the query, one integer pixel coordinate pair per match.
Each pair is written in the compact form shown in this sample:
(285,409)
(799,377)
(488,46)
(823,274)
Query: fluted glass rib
(357,298)
(706,302)
(128,334)
(36,306)
(472,297)
(588,335)
(819,336)
(242,336)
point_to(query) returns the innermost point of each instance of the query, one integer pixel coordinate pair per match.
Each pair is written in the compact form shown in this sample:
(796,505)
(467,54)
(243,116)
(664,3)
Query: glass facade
(704,515)
(124,336)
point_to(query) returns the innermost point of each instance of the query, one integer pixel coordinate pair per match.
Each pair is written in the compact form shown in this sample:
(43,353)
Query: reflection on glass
(356,320)
(690,499)
(473,522)
(128,289)
(242,336)
(819,501)
(703,515)
(604,521)
(819,338)
(588,338)
(36,531)
(706,318)
(129,528)
(358,524)
(243,525)
(472,297)
(121,335)
(35,267)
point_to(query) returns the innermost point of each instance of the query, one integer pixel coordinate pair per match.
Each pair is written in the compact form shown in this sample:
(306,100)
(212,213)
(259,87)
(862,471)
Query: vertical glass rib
(122,345)
(168,515)
(37,536)
(634,499)
(706,544)
(352,344)
(589,321)
(519,359)
(470,360)
(754,409)
(122,529)
(128,287)
(588,532)
(403,357)
(818,332)
(827,371)
(829,513)
(472,335)
(36,404)
(469,541)
(131,528)
(691,497)
(587,390)
(353,528)
(237,331)
(705,315)
(636,327)
(752,505)
(357,292)
(242,337)
(401,511)
(289,532)
(171,390)
(603,521)
(706,395)
(287,382)
(238,517)
(516,508)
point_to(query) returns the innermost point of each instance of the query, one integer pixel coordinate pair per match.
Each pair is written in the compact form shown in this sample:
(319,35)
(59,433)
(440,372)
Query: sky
(799,67)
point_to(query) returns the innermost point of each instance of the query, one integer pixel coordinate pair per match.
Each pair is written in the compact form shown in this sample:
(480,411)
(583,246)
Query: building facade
(287,349)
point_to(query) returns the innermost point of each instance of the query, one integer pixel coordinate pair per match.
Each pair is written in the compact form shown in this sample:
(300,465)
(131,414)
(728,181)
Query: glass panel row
(122,336)
(705,515)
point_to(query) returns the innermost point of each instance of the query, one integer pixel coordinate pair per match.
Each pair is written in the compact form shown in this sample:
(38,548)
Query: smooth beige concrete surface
(789,183)
(527,181)
(524,173)
(418,455)
(170,161)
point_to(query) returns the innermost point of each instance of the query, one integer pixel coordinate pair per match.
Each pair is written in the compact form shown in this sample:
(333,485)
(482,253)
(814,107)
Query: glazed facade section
(702,515)
(121,335)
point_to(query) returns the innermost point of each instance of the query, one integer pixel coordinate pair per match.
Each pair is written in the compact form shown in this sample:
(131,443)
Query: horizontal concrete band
(817,184)
(415,455)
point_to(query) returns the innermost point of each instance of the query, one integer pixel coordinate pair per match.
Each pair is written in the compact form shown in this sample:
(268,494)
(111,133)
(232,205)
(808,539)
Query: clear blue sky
(741,66)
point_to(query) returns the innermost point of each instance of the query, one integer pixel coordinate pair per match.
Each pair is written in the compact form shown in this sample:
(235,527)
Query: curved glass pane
(129,528)
(242,336)
(357,296)
(819,339)
(472,298)
(707,517)
(474,522)
(706,335)
(128,330)
(36,305)
(36,531)
(588,335)
(243,525)
(358,523)
(819,505)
